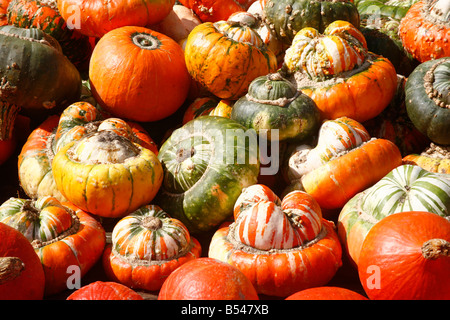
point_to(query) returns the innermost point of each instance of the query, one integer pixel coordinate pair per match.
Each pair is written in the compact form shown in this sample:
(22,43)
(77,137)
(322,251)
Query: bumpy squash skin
(428,117)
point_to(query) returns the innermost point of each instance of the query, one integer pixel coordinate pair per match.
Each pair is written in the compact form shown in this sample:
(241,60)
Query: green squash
(34,74)
(427,94)
(395,9)
(207,162)
(286,17)
(272,102)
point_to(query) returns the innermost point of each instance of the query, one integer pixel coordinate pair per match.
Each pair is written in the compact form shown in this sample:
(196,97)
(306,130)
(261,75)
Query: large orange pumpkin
(138,74)
(95,18)
(216,10)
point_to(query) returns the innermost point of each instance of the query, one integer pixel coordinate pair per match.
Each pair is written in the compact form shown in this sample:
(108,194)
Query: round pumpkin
(207,162)
(138,74)
(207,279)
(273,104)
(425,30)
(95,18)
(337,71)
(405,188)
(62,235)
(281,246)
(225,56)
(427,99)
(21,273)
(104,290)
(406,256)
(215,10)
(147,246)
(434,158)
(326,293)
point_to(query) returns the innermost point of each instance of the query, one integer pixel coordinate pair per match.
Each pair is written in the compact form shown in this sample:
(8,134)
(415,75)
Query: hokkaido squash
(327,293)
(104,290)
(216,10)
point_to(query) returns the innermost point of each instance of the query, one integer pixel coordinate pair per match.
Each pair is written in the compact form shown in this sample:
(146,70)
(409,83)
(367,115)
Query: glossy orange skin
(333,184)
(207,279)
(215,10)
(326,293)
(96,17)
(422,38)
(30,284)
(394,245)
(157,81)
(100,290)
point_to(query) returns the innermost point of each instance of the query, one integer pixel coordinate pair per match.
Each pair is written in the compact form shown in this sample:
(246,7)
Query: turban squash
(405,188)
(434,158)
(62,235)
(338,72)
(281,246)
(225,56)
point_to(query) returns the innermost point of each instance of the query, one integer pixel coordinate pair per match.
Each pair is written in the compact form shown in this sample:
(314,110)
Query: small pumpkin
(104,290)
(427,99)
(62,235)
(405,188)
(337,71)
(106,174)
(287,17)
(225,56)
(94,18)
(274,103)
(147,246)
(21,273)
(406,256)
(138,74)
(425,30)
(207,162)
(326,293)
(207,279)
(271,240)
(434,158)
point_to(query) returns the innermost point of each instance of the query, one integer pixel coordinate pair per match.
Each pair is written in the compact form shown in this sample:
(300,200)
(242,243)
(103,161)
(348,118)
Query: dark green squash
(286,17)
(34,74)
(427,94)
(206,164)
(272,102)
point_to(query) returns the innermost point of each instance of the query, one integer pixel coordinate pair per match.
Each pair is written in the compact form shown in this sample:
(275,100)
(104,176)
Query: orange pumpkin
(337,71)
(216,10)
(3,12)
(326,293)
(95,18)
(138,74)
(226,56)
(425,30)
(100,290)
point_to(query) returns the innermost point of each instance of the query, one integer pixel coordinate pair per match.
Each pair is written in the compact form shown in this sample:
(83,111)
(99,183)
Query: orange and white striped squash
(147,245)
(270,241)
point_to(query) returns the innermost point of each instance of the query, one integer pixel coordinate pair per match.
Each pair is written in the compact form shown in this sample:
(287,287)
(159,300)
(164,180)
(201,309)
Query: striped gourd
(406,188)
(147,245)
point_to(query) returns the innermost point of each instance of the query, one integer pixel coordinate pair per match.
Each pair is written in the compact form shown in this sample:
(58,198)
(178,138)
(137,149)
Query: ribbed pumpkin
(338,72)
(77,120)
(274,103)
(281,246)
(207,279)
(434,158)
(405,188)
(21,273)
(138,74)
(287,17)
(104,290)
(345,161)
(35,76)
(427,98)
(62,235)
(207,162)
(95,18)
(226,56)
(147,246)
(406,256)
(44,15)
(425,30)
(106,174)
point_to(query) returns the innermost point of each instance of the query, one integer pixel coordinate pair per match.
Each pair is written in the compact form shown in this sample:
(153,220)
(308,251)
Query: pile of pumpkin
(358,92)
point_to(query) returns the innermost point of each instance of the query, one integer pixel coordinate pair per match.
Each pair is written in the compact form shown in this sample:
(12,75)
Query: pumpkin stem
(10,268)
(183,154)
(145,41)
(435,248)
(151,223)
(30,210)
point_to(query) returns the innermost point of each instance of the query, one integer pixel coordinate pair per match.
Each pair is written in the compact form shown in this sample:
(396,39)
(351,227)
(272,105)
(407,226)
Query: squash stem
(435,248)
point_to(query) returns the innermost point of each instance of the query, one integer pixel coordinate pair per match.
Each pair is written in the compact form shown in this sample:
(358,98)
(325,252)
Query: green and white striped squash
(406,188)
